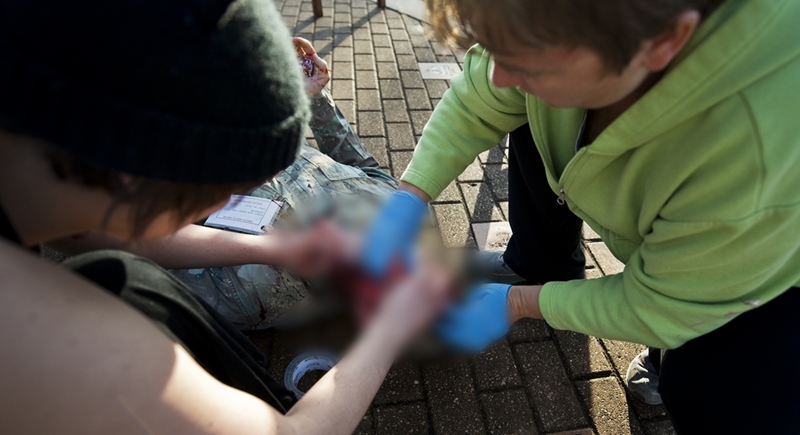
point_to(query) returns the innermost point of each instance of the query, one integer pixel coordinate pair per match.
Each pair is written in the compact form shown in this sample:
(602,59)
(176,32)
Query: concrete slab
(492,236)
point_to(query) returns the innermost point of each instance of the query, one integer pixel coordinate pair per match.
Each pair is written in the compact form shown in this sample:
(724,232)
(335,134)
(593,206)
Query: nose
(504,79)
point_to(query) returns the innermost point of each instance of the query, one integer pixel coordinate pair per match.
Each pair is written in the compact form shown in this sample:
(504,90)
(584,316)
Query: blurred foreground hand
(479,320)
(412,304)
(393,233)
(313,251)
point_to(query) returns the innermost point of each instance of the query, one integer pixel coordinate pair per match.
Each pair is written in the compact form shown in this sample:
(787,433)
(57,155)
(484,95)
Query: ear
(661,50)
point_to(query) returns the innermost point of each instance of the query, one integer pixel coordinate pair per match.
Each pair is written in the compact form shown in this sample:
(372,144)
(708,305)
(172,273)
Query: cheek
(555,91)
(503,79)
(570,90)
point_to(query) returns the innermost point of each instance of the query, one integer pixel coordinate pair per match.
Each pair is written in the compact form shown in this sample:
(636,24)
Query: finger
(327,239)
(443,327)
(322,66)
(325,228)
(376,256)
(475,296)
(452,333)
(408,260)
(303,46)
(434,284)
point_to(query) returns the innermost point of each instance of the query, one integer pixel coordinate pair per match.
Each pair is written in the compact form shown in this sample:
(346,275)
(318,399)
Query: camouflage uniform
(340,180)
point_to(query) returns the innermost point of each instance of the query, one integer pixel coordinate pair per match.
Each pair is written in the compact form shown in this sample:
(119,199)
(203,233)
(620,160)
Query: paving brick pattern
(537,380)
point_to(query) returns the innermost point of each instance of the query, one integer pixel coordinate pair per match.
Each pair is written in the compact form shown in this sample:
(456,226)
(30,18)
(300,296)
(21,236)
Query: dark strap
(210,339)
(6,230)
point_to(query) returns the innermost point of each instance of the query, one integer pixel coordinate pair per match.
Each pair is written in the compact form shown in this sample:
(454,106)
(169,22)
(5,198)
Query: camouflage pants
(340,180)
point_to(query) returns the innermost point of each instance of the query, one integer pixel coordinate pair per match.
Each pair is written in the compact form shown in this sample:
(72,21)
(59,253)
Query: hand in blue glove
(478,321)
(392,233)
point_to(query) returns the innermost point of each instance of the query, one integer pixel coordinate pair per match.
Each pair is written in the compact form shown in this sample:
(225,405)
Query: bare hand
(320,74)
(412,305)
(313,251)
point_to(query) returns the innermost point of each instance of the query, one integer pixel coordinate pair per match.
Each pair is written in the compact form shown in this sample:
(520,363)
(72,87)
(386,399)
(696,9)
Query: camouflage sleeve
(334,135)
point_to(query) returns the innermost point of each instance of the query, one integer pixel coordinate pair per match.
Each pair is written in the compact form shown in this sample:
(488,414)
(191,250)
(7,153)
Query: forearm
(327,123)
(196,246)
(472,117)
(335,136)
(338,401)
(193,246)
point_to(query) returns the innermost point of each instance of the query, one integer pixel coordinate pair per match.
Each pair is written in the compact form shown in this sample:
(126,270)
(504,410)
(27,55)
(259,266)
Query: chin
(572,103)
(560,103)
(554,101)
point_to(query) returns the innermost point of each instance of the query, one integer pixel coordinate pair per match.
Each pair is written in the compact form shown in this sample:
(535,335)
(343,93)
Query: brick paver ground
(538,380)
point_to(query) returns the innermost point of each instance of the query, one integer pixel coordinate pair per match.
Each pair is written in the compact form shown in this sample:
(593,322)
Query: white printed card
(246,214)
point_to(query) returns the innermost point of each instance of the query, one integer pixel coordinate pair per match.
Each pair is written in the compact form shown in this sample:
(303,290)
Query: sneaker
(642,379)
(489,266)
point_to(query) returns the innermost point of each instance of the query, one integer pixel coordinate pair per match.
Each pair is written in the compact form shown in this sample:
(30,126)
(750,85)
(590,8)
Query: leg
(341,156)
(741,378)
(251,296)
(216,345)
(335,137)
(546,241)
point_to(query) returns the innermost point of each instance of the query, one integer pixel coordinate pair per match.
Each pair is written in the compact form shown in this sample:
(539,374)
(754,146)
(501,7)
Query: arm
(471,118)
(523,302)
(685,280)
(127,377)
(195,246)
(408,187)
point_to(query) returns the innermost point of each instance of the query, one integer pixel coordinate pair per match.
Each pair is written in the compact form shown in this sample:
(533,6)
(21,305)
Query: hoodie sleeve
(685,280)
(473,116)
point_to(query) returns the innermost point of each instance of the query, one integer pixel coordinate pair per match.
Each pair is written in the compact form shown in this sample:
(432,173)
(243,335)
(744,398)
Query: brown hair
(147,197)
(614,29)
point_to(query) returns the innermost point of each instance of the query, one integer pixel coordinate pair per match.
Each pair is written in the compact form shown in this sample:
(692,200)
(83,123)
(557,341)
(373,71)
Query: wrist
(412,199)
(267,249)
(318,95)
(408,187)
(523,302)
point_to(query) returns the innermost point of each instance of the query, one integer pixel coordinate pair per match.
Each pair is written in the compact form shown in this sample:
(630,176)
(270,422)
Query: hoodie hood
(740,43)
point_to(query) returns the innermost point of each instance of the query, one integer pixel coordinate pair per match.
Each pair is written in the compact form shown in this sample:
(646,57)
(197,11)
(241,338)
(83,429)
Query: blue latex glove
(393,232)
(478,321)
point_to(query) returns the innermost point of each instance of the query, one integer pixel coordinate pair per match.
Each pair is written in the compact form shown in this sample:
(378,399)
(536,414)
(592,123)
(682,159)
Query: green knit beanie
(197,91)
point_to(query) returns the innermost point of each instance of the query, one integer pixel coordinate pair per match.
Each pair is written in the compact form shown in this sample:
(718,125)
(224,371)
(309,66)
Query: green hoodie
(696,187)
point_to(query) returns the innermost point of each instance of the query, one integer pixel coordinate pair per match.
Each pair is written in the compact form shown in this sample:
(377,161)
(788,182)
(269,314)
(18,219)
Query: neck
(601,118)
(39,206)
(624,104)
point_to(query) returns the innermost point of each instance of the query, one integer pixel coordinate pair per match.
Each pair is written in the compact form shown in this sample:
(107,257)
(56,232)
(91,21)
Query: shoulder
(79,356)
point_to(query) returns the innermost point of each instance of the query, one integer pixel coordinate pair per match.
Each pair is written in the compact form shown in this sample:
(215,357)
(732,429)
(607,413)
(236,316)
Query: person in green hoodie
(671,128)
